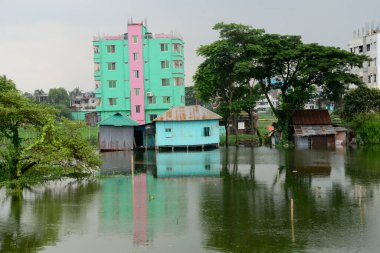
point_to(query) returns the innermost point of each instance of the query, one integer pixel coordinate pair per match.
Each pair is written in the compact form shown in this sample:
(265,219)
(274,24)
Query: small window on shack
(207,131)
(168,132)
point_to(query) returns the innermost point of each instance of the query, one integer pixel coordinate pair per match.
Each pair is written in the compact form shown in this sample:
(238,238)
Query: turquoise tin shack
(117,133)
(187,126)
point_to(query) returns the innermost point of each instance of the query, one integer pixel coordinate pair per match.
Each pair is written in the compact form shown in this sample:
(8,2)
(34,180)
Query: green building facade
(138,73)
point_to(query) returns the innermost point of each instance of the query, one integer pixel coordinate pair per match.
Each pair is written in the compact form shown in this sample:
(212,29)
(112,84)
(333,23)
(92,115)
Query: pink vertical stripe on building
(137,82)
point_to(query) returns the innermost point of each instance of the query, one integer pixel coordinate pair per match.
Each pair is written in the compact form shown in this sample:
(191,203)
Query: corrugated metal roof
(182,113)
(314,130)
(310,117)
(118,120)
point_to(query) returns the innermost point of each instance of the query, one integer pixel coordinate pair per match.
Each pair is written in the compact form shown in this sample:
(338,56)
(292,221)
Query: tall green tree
(226,71)
(245,55)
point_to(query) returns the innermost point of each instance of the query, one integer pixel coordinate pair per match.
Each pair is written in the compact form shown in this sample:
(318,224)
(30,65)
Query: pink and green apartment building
(138,73)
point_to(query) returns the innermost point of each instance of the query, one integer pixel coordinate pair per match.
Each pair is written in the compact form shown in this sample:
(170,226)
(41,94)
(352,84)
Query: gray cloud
(47,43)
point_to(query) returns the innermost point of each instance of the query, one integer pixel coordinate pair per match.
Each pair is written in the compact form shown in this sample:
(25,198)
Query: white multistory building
(367,42)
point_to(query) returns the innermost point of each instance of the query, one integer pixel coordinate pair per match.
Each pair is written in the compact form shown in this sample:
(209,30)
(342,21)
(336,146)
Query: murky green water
(226,200)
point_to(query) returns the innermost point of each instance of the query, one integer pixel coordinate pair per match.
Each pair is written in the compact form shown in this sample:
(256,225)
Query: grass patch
(90,133)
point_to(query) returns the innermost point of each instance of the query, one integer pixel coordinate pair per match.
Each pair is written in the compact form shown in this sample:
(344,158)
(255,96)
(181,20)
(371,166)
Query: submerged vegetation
(35,140)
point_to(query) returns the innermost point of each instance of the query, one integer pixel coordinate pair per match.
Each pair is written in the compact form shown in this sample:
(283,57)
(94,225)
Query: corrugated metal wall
(116,138)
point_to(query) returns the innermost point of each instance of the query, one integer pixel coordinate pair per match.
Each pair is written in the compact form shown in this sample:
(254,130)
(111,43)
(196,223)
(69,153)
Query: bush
(367,127)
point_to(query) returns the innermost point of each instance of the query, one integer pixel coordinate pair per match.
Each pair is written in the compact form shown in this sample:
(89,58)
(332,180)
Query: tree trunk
(226,127)
(235,128)
(16,143)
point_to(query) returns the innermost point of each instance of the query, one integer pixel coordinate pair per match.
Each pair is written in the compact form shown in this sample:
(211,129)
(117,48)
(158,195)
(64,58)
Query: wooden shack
(312,129)
(117,133)
(187,126)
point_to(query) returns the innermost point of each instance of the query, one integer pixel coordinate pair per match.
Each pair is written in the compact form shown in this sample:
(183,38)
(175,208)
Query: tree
(360,100)
(246,55)
(190,96)
(59,98)
(6,84)
(225,72)
(57,143)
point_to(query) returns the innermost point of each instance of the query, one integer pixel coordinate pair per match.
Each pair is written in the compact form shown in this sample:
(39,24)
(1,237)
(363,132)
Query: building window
(96,66)
(164,47)
(164,64)
(96,49)
(207,131)
(152,100)
(112,101)
(168,132)
(111,65)
(138,108)
(152,116)
(360,49)
(166,99)
(137,91)
(177,48)
(136,73)
(165,81)
(182,99)
(135,56)
(178,81)
(368,47)
(97,84)
(177,64)
(110,48)
(369,79)
(374,77)
(134,38)
(112,84)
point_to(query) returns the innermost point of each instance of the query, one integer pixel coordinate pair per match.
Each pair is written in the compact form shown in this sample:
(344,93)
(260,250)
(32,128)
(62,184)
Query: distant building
(187,126)
(138,73)
(83,106)
(367,42)
(83,101)
(262,106)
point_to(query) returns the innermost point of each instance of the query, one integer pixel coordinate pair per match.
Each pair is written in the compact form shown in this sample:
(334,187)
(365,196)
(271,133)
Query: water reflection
(225,200)
(179,164)
(255,214)
(31,217)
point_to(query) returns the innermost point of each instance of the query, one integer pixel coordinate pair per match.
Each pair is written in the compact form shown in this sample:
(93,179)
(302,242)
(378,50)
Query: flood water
(224,200)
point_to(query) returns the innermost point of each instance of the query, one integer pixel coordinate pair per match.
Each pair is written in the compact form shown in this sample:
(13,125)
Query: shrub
(367,127)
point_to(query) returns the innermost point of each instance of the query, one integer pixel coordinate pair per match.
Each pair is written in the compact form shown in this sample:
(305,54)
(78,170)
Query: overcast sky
(48,43)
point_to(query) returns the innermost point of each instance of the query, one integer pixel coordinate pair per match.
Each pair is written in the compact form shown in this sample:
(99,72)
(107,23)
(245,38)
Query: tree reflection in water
(247,214)
(30,217)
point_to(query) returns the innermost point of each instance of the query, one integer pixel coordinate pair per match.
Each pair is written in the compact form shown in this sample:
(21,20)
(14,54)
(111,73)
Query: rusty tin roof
(310,117)
(183,113)
(311,130)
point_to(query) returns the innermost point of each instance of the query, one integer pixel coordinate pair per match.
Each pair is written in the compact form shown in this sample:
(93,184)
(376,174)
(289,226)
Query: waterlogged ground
(225,200)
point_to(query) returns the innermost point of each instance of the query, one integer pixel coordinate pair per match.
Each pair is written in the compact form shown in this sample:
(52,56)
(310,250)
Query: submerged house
(187,126)
(117,133)
(312,128)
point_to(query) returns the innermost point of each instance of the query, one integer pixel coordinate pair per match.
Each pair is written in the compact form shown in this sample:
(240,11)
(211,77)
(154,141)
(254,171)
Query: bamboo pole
(292,218)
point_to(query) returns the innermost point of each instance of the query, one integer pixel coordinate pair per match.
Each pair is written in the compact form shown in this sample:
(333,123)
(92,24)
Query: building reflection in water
(147,205)
(184,164)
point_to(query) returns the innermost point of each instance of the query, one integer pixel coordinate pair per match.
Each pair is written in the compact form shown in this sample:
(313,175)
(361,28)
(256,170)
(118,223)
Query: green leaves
(57,143)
